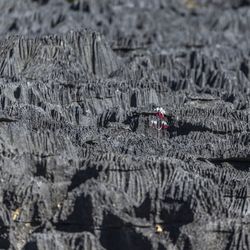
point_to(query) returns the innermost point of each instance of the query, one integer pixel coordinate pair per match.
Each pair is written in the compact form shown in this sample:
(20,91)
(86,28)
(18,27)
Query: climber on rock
(159,122)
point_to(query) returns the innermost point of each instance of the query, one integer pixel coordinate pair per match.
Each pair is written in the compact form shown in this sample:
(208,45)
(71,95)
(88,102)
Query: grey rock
(80,165)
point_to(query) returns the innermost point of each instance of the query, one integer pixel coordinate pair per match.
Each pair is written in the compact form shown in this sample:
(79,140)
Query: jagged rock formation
(81,168)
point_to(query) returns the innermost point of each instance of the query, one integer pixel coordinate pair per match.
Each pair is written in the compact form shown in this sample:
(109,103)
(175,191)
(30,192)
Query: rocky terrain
(81,167)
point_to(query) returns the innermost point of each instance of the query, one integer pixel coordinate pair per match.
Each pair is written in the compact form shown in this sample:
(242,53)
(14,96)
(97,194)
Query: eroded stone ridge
(80,165)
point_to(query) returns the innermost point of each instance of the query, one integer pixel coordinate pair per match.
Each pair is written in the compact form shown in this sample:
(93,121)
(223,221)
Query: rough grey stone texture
(80,166)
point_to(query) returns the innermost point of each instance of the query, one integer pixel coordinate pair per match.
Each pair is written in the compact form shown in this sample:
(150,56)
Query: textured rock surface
(80,166)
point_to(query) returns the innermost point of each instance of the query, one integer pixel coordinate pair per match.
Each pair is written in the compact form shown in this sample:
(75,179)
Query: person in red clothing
(160,121)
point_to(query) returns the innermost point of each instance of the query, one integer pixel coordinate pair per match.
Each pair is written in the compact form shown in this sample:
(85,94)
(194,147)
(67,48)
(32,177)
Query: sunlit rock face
(124,124)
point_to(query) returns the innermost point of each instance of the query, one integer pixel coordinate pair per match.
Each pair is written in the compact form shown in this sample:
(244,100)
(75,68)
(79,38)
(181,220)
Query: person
(159,122)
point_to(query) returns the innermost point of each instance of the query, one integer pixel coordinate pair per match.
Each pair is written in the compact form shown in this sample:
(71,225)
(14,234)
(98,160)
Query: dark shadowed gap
(81,219)
(125,237)
(82,176)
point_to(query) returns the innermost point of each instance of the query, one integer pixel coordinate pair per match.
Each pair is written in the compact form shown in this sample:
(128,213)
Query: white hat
(161,110)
